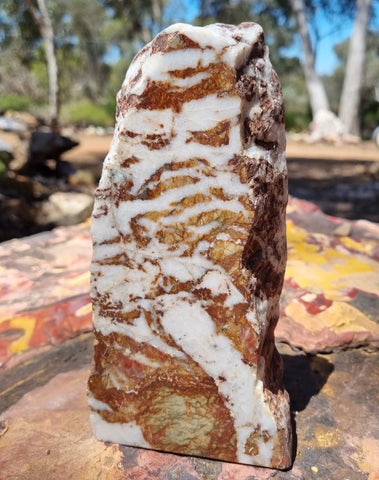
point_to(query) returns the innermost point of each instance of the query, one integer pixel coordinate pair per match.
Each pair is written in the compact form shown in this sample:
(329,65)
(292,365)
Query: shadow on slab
(304,376)
(343,188)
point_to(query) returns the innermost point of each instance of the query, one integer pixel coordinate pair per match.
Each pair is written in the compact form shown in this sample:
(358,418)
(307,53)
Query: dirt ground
(92,146)
(343,180)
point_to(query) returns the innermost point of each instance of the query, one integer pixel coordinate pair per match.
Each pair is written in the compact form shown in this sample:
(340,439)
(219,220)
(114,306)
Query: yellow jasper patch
(319,268)
(339,317)
(27,324)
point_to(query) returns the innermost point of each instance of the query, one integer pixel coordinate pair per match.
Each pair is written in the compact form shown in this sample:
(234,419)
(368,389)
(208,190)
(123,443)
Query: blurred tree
(76,36)
(42,18)
(87,19)
(273,15)
(133,23)
(369,97)
(369,113)
(316,91)
(130,25)
(297,111)
(225,11)
(95,41)
(19,36)
(305,12)
(18,27)
(16,78)
(353,81)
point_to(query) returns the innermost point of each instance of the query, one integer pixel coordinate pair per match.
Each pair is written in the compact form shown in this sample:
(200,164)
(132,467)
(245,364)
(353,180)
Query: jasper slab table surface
(328,335)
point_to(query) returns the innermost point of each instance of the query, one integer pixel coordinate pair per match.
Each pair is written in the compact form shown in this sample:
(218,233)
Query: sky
(326,60)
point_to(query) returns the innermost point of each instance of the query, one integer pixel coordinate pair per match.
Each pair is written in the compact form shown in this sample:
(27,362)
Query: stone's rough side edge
(258,131)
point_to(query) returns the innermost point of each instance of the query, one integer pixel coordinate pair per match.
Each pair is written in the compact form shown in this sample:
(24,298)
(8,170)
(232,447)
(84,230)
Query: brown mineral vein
(153,141)
(129,161)
(198,165)
(150,390)
(169,184)
(168,42)
(191,71)
(216,136)
(159,95)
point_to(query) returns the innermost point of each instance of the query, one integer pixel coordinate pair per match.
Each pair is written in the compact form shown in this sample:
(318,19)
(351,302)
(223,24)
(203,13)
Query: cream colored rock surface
(189,252)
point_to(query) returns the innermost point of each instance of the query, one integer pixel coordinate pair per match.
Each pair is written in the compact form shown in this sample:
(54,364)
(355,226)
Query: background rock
(330,296)
(65,208)
(332,396)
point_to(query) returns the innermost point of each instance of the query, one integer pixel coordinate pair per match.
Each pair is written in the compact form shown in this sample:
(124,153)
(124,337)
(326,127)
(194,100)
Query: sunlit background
(95,41)
(62,63)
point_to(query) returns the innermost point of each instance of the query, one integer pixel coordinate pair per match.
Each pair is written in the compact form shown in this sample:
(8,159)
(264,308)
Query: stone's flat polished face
(189,252)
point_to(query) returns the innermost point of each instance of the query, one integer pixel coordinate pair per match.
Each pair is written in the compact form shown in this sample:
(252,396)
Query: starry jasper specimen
(189,252)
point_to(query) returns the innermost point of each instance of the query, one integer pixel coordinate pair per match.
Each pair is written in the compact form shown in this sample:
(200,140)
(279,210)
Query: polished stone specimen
(189,252)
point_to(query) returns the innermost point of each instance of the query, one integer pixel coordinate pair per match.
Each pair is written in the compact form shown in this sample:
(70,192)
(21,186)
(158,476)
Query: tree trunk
(316,91)
(351,91)
(42,18)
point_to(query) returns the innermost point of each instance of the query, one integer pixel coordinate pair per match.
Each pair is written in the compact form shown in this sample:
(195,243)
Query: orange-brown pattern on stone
(189,252)
(220,80)
(150,392)
(215,136)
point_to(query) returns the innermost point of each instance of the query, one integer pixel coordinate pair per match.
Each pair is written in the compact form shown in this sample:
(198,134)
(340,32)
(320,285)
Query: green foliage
(297,111)
(117,75)
(133,22)
(224,11)
(38,68)
(87,19)
(87,113)
(3,168)
(369,118)
(16,23)
(96,40)
(333,85)
(110,106)
(273,15)
(14,102)
(298,114)
(297,121)
(369,106)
